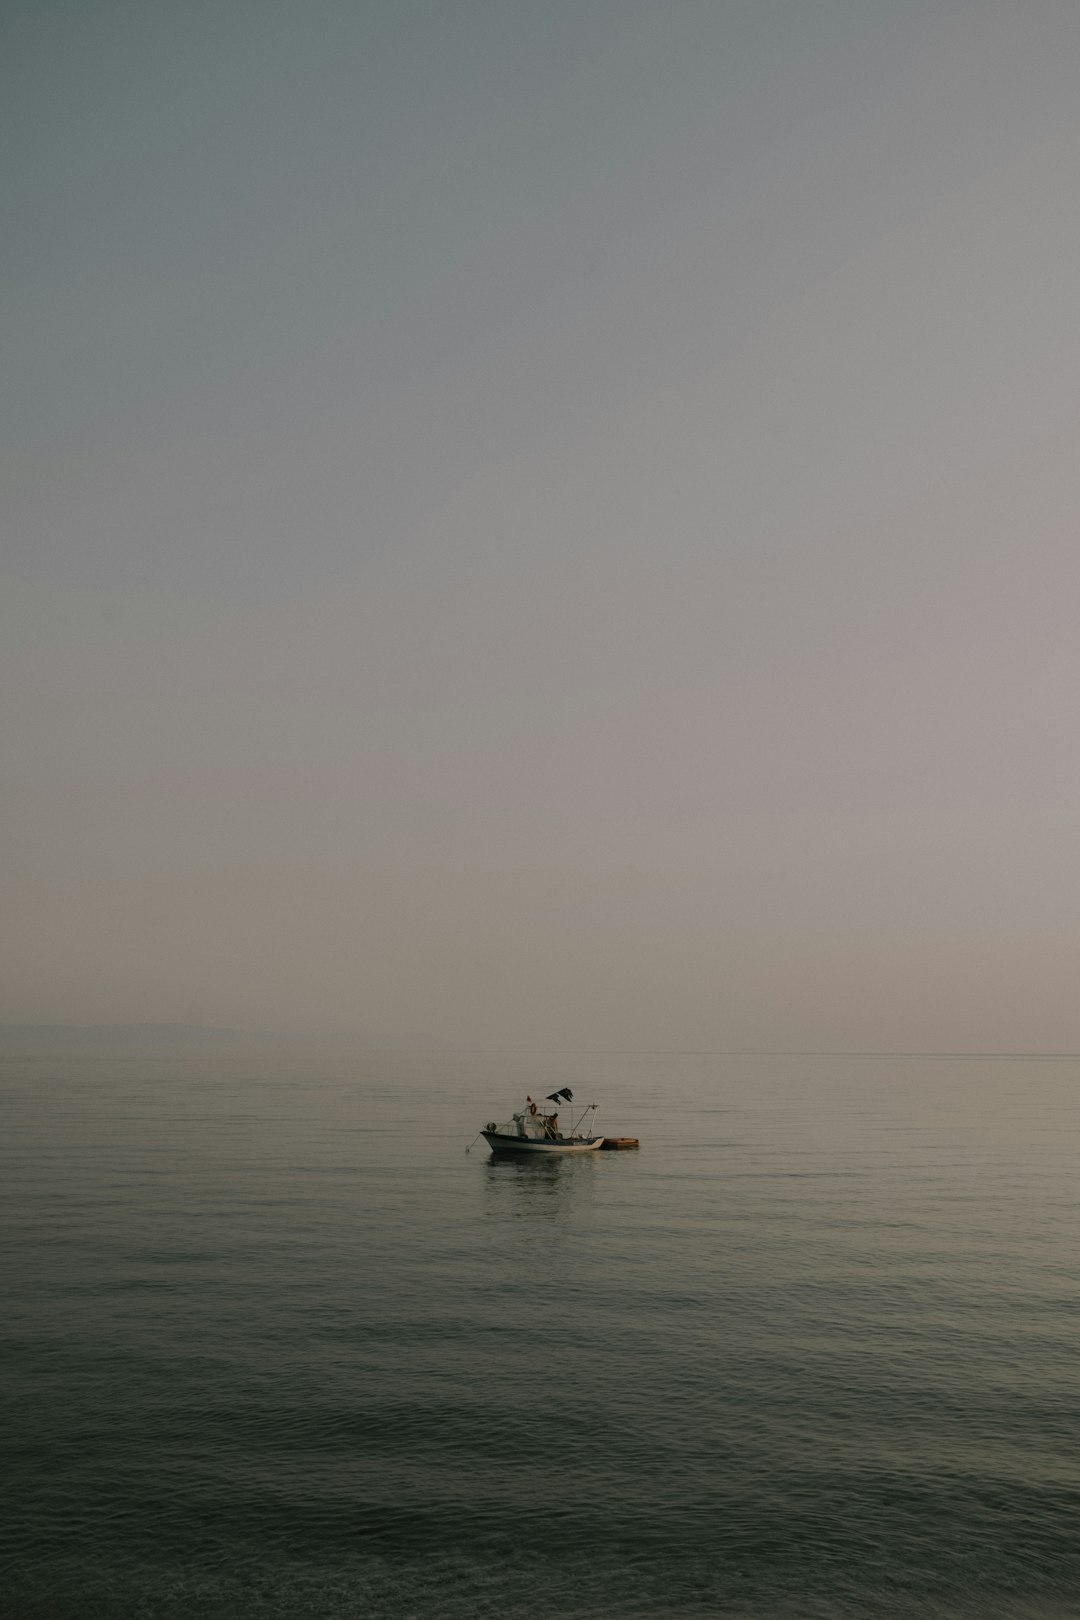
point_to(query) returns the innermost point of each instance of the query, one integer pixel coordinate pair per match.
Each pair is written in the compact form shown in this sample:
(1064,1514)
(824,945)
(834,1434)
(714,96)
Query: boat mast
(574,1123)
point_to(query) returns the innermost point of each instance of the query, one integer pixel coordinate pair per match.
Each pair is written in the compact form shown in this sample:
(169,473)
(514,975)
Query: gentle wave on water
(274,1346)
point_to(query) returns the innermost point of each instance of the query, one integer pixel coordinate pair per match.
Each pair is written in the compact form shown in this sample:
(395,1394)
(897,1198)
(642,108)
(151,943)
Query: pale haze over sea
(549,524)
(540,554)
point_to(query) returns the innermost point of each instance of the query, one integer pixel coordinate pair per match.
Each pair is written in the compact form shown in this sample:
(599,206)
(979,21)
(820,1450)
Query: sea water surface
(274,1346)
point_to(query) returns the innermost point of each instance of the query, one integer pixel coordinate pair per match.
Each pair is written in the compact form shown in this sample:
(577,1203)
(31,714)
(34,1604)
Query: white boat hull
(503,1142)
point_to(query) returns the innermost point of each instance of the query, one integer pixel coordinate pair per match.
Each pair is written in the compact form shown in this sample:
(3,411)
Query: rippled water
(274,1346)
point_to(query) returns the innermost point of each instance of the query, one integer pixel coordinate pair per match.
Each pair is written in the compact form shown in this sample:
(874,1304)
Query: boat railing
(538,1125)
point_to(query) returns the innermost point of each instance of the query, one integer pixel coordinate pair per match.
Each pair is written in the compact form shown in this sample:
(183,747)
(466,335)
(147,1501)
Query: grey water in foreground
(274,1346)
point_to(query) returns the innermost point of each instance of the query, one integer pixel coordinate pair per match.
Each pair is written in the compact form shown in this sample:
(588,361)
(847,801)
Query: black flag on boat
(566,1095)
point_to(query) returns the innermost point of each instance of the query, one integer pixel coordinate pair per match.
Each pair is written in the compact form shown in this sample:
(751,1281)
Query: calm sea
(274,1346)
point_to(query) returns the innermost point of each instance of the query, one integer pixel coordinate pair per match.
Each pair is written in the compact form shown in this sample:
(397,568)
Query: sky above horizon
(548,524)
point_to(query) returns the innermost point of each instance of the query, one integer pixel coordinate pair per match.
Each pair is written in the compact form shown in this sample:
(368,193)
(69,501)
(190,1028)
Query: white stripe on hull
(499,1143)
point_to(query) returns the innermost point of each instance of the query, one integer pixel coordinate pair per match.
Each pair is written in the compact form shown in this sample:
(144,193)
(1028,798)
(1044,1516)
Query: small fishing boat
(536,1130)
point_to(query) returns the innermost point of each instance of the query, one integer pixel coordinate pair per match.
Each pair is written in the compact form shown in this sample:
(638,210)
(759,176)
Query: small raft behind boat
(613,1143)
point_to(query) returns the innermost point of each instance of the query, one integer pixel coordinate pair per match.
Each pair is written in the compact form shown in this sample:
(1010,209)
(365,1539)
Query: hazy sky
(544,521)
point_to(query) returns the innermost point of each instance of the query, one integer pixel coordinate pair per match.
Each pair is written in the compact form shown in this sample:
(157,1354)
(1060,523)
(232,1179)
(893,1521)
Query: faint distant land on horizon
(197,1035)
(118,1034)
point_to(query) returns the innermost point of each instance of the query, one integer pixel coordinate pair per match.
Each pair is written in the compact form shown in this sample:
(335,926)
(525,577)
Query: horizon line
(429,1045)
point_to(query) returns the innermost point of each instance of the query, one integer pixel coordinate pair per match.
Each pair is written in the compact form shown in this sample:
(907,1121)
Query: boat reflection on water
(541,1185)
